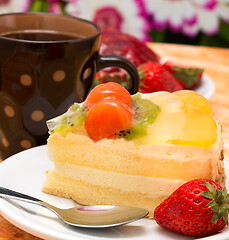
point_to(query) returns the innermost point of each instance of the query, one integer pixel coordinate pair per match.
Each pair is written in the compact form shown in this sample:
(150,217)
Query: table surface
(215,61)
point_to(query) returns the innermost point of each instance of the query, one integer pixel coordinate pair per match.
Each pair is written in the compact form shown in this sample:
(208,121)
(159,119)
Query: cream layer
(151,186)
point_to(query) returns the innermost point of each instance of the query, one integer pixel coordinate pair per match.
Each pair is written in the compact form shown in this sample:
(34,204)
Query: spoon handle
(4,192)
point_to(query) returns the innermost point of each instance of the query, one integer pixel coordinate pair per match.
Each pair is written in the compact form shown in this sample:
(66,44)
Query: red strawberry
(197,208)
(189,77)
(154,77)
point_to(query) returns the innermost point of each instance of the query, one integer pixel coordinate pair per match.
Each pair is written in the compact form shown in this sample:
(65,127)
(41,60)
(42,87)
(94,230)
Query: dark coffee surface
(41,36)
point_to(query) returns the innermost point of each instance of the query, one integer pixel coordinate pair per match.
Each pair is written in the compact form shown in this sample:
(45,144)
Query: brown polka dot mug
(47,62)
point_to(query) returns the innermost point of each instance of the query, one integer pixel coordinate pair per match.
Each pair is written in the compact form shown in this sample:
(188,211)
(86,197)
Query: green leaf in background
(39,6)
(170,37)
(157,36)
(213,41)
(224,31)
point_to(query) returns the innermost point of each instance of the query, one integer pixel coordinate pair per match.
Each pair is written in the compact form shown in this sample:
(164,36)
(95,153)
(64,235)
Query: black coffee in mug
(47,62)
(34,35)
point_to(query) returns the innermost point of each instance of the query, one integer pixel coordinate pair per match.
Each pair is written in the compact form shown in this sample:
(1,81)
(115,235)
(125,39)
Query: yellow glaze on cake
(138,173)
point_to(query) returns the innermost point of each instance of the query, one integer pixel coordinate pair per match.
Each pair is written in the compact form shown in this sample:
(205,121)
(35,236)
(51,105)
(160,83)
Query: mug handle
(105,61)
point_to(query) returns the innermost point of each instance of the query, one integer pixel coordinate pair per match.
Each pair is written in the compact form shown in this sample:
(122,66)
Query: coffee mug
(47,62)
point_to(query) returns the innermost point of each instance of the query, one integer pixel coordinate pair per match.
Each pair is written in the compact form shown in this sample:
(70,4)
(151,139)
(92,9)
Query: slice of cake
(133,150)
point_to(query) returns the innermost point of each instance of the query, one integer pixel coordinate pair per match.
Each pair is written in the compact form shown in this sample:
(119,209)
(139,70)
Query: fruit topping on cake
(106,118)
(197,208)
(108,112)
(193,101)
(70,121)
(109,90)
(183,117)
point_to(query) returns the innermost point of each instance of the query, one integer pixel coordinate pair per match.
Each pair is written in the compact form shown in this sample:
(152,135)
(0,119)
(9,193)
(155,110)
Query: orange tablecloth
(215,61)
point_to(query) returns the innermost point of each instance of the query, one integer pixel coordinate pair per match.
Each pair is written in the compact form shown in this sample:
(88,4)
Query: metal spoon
(97,216)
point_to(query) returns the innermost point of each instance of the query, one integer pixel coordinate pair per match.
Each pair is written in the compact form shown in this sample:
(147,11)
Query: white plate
(206,87)
(25,172)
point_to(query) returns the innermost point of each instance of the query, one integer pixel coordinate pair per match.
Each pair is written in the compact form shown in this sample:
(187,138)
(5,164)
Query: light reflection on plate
(206,88)
(25,172)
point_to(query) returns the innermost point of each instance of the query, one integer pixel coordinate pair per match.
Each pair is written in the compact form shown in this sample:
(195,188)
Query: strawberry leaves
(219,202)
(188,77)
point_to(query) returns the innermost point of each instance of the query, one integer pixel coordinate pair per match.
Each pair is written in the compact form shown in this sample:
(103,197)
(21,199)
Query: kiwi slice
(145,114)
(65,123)
(133,133)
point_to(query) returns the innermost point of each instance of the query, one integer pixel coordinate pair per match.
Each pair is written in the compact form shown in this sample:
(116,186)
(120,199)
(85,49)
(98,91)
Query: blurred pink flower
(55,7)
(125,15)
(7,6)
(188,16)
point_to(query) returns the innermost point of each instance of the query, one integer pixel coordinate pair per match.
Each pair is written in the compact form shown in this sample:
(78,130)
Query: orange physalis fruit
(106,118)
(108,90)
